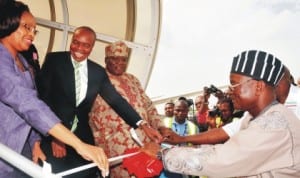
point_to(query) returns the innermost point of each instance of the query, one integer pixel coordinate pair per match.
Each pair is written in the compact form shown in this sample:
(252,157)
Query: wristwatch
(141,122)
(160,153)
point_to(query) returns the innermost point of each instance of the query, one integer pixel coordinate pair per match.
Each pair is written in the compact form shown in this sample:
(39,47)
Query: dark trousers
(72,160)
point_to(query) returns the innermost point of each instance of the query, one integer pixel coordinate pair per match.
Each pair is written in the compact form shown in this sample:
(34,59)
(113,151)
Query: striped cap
(259,65)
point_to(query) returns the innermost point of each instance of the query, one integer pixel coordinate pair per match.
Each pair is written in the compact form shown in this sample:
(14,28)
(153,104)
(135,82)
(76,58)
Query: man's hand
(37,152)
(151,149)
(169,136)
(165,131)
(58,149)
(153,134)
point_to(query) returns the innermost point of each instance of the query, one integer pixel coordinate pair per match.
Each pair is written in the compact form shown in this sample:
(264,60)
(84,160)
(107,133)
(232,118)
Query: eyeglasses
(232,87)
(29,28)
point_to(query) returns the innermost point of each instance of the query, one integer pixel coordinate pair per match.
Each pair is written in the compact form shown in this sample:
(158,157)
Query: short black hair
(227,100)
(189,101)
(170,102)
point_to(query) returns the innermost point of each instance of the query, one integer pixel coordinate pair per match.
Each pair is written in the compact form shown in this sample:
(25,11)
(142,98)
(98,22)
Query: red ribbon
(142,165)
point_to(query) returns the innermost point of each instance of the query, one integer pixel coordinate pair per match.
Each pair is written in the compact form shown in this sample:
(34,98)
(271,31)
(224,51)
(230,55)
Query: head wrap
(117,49)
(259,65)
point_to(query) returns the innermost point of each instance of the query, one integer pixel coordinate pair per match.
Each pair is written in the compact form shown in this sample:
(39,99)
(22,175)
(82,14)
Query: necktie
(77,82)
(77,92)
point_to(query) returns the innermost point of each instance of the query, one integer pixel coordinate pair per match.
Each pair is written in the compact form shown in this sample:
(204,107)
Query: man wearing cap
(69,83)
(268,144)
(111,132)
(220,135)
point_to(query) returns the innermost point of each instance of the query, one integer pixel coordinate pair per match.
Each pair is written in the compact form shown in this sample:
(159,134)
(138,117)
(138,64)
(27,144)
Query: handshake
(147,161)
(169,136)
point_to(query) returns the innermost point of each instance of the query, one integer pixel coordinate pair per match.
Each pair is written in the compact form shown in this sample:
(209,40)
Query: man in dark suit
(57,87)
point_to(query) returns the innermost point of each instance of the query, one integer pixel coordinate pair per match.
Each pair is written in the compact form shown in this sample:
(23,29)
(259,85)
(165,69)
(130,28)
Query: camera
(215,91)
(212,89)
(214,112)
(190,102)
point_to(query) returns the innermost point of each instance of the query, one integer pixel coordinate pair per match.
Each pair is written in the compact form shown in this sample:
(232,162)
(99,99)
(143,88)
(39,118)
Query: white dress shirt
(83,78)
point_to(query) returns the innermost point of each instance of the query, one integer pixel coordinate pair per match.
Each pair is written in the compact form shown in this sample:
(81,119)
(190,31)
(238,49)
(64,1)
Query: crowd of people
(70,111)
(262,143)
(56,101)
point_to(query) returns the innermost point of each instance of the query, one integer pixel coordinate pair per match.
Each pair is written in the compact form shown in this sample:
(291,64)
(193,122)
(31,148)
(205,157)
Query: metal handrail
(23,164)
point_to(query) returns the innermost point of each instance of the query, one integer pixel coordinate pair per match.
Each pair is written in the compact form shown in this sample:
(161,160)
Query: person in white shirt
(220,135)
(268,143)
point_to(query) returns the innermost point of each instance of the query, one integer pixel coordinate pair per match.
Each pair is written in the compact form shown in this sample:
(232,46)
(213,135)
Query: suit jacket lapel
(68,74)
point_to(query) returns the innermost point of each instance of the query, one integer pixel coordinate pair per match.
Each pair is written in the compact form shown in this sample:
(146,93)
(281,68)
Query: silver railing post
(23,164)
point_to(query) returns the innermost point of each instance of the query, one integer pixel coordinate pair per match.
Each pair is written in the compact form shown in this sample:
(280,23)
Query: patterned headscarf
(117,49)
